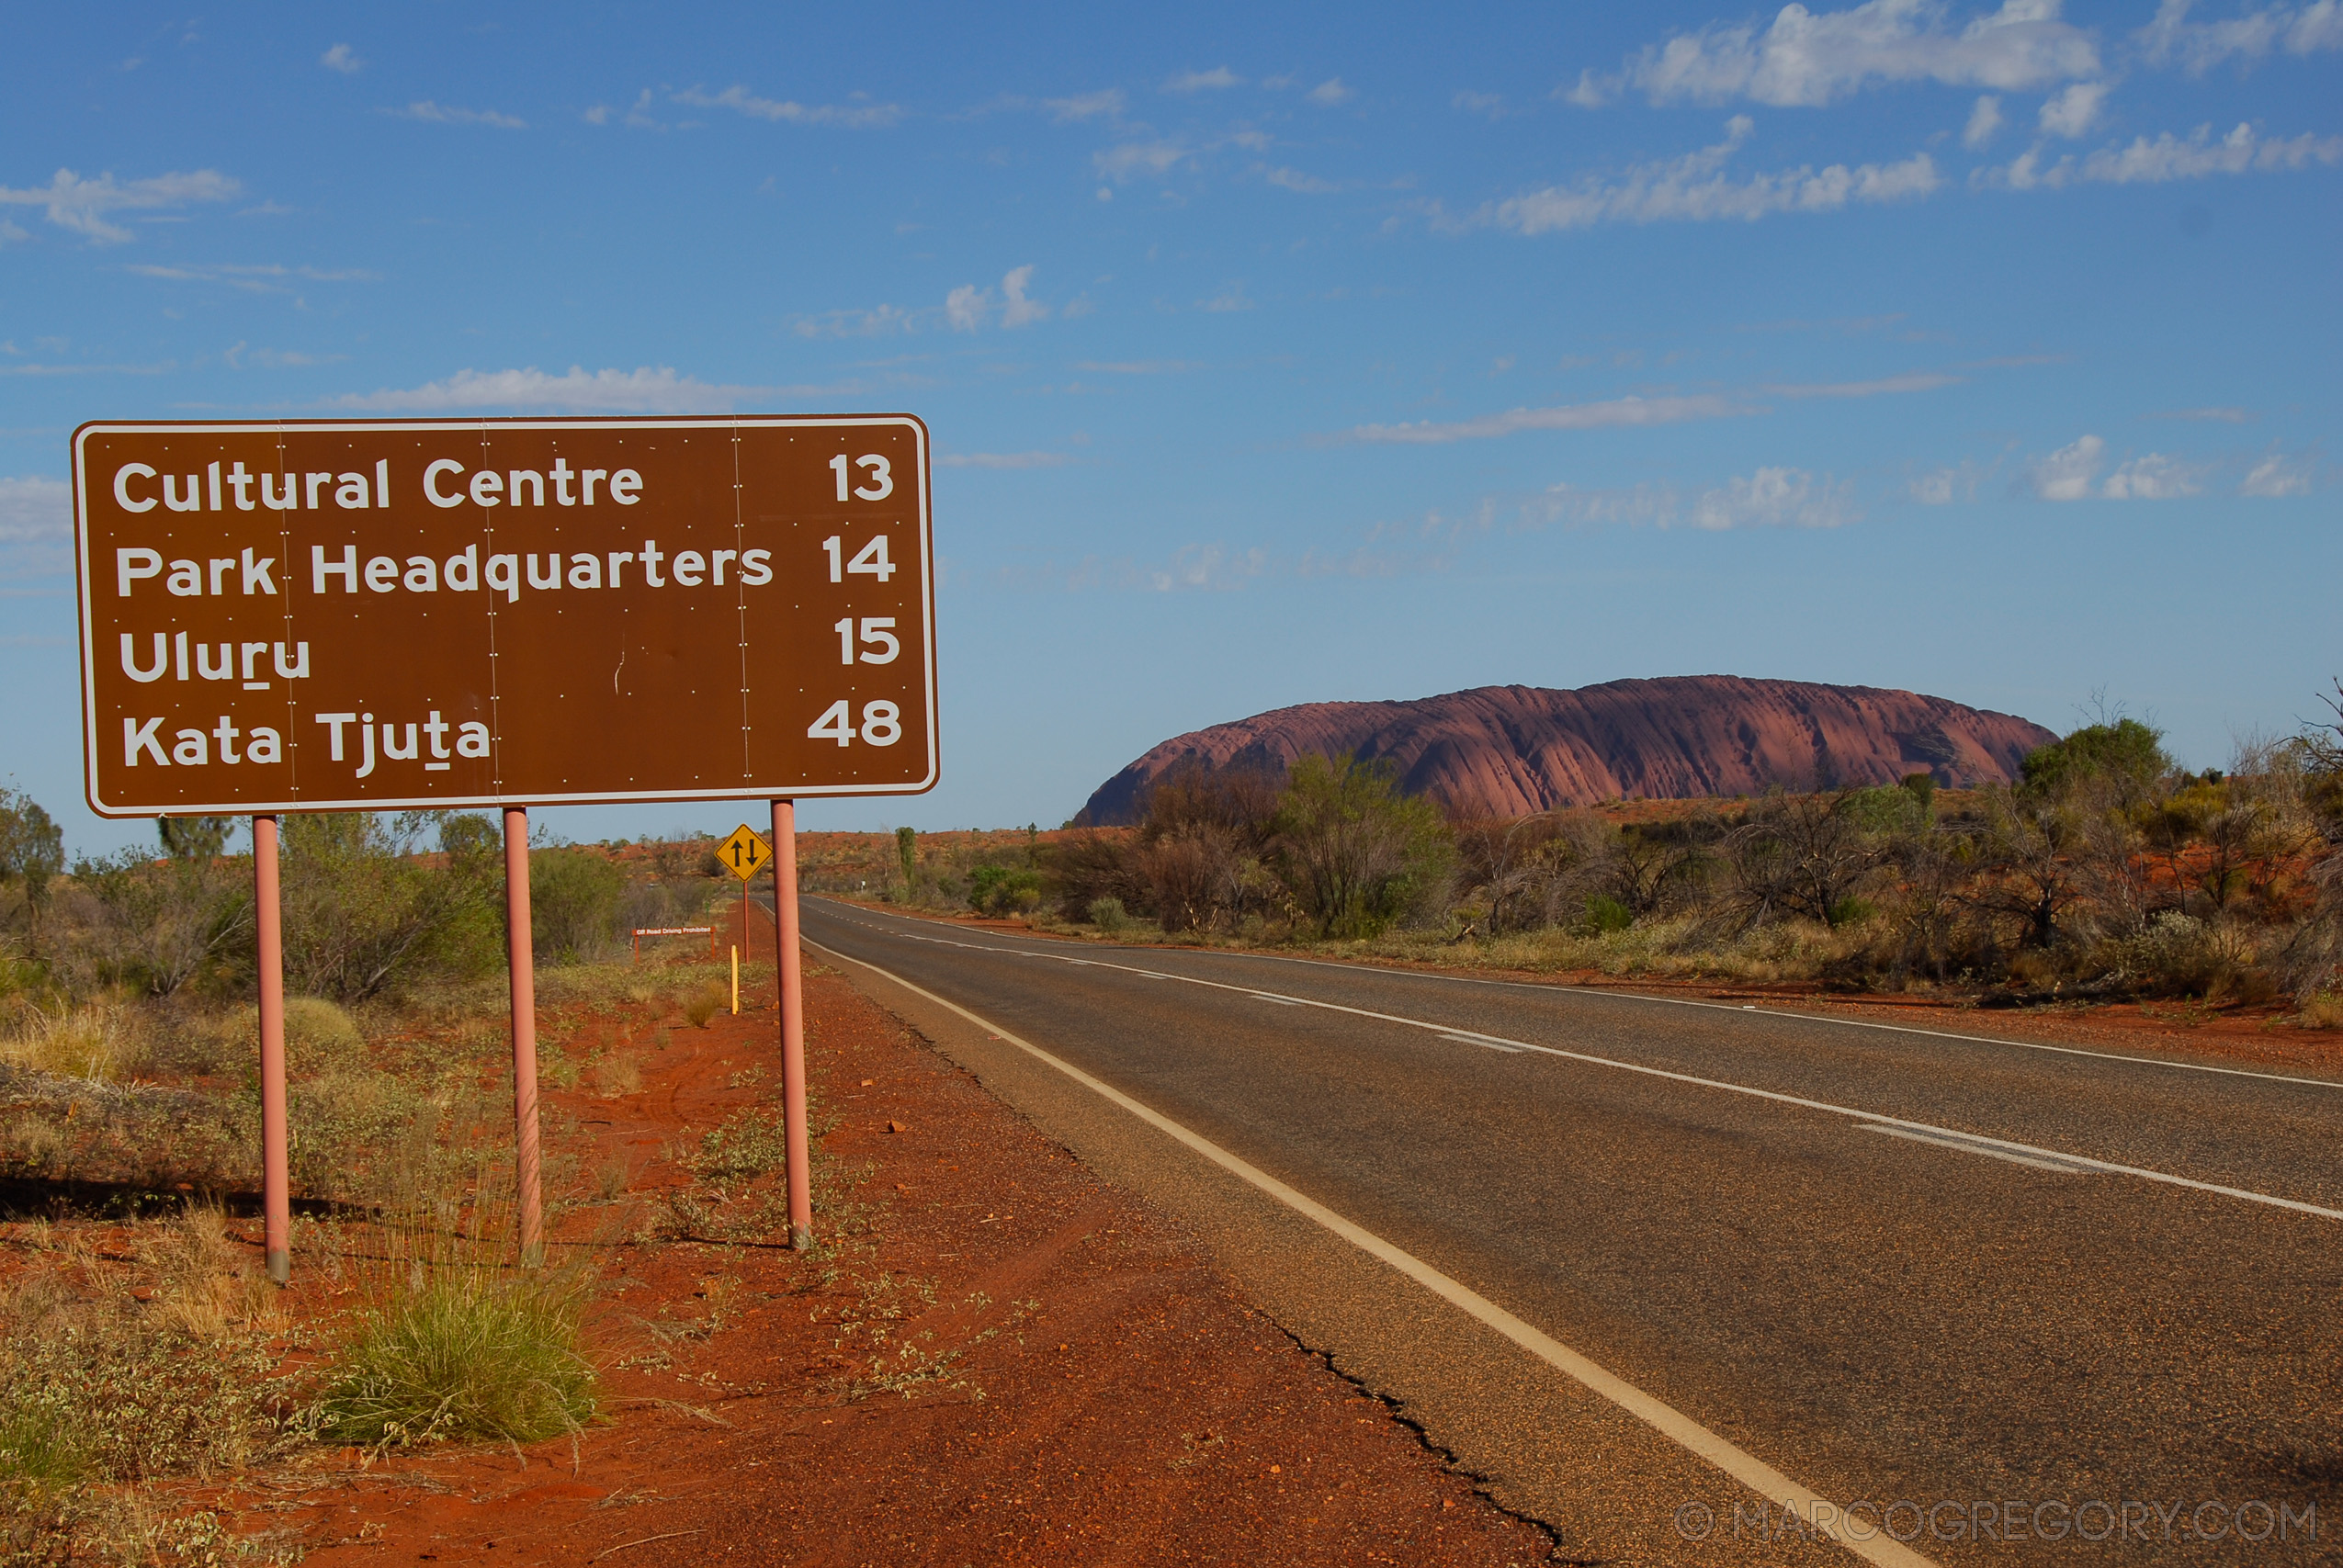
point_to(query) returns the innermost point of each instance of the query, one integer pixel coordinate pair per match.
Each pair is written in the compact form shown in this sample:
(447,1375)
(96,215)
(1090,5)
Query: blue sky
(1279,353)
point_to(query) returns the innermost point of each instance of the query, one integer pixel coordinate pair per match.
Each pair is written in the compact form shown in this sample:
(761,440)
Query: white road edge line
(1928,1130)
(1666,1419)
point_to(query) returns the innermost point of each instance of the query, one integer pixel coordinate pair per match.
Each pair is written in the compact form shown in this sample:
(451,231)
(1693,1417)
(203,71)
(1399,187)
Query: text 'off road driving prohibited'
(744,854)
(372,614)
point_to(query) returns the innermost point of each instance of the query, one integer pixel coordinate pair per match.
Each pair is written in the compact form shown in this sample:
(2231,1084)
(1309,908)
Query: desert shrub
(100,1040)
(1803,854)
(573,903)
(366,911)
(349,1128)
(462,1348)
(1605,913)
(318,1034)
(32,851)
(1003,890)
(705,1005)
(2178,954)
(1355,853)
(157,926)
(618,1074)
(750,1144)
(1091,864)
(2124,756)
(1108,915)
(100,1394)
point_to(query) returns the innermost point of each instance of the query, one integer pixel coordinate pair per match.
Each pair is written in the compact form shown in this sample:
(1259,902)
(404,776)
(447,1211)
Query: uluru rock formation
(1510,751)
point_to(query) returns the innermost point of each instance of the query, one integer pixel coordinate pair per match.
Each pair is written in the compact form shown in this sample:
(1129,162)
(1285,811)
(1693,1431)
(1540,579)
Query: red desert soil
(1074,1383)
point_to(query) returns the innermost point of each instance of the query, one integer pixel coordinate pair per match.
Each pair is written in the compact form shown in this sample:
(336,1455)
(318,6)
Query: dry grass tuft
(101,1039)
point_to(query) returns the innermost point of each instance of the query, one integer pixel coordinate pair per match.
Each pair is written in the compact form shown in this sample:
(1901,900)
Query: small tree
(1804,854)
(1354,852)
(32,851)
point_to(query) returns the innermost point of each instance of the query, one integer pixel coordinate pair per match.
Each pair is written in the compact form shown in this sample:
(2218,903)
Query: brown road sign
(332,615)
(744,854)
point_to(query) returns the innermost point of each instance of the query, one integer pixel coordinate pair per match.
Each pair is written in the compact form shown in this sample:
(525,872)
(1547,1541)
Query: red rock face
(1510,751)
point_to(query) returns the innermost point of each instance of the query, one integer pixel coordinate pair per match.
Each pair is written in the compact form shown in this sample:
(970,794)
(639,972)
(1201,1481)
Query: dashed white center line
(1974,1142)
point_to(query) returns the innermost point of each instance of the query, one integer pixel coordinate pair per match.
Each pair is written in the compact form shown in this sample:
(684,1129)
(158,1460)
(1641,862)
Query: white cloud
(1201,81)
(1016,310)
(264,278)
(1983,121)
(967,308)
(1696,187)
(1002,459)
(1777,498)
(1807,58)
(1618,413)
(1490,104)
(1214,567)
(643,390)
(1918,382)
(36,527)
(2278,475)
(1330,92)
(1158,158)
(1295,180)
(2067,474)
(341,58)
(1591,91)
(1948,485)
(2198,47)
(2072,113)
(448,114)
(2168,157)
(2155,477)
(1228,299)
(1771,497)
(1086,106)
(36,511)
(853,117)
(83,206)
(872,323)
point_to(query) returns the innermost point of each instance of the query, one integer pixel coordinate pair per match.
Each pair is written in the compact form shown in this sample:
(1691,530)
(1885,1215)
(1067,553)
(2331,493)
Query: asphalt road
(1963,1273)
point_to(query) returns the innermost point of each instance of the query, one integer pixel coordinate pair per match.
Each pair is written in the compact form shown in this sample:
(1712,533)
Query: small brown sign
(322,615)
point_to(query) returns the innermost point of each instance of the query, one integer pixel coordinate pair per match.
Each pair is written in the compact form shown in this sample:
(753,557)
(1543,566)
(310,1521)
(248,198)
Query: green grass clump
(463,1351)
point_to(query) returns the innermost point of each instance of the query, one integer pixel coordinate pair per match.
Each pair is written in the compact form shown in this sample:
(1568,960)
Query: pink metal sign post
(793,1021)
(276,1181)
(524,967)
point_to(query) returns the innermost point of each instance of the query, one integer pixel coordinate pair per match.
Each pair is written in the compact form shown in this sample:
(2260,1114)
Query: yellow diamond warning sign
(744,854)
